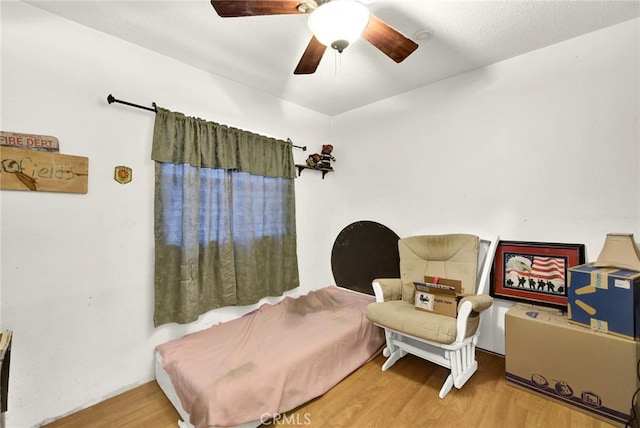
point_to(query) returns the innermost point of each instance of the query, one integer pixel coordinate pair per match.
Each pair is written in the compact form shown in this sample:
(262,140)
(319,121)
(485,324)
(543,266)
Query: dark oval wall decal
(363,251)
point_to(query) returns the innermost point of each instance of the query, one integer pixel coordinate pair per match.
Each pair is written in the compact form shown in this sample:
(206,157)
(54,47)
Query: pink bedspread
(272,359)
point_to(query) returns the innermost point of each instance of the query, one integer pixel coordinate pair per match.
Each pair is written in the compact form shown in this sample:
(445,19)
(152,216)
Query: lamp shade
(620,250)
(338,23)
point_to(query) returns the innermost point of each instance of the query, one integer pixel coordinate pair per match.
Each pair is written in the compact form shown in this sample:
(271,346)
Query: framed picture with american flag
(534,272)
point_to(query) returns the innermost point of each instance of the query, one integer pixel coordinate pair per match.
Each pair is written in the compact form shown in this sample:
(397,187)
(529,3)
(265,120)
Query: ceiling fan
(326,15)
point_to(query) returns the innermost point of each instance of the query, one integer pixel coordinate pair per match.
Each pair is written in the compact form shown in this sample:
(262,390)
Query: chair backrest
(453,256)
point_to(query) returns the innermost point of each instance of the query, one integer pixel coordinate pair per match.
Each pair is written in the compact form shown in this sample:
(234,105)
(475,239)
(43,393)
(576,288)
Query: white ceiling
(262,52)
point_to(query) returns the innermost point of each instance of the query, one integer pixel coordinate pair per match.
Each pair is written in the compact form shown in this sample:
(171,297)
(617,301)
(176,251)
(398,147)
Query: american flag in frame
(534,272)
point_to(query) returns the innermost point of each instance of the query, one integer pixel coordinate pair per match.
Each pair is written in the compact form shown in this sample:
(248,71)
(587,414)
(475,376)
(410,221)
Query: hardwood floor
(404,396)
(143,407)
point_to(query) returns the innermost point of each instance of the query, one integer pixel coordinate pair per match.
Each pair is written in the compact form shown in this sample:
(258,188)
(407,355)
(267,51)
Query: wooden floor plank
(406,395)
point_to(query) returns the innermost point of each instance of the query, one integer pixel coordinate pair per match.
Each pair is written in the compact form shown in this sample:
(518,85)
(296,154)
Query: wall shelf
(302,167)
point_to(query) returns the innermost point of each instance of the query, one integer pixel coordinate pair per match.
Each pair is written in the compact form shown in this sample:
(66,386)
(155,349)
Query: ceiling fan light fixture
(338,23)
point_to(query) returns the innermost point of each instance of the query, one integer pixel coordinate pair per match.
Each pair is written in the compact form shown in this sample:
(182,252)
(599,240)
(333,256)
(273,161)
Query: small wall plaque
(123,174)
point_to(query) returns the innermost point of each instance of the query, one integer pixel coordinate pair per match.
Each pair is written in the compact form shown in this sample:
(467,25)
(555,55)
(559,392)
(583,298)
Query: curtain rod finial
(110,99)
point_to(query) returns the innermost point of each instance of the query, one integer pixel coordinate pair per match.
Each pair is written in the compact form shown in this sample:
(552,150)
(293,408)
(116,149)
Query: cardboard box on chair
(592,372)
(438,295)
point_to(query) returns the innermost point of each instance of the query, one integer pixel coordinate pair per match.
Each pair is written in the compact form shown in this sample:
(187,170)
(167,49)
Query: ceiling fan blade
(311,57)
(235,8)
(388,40)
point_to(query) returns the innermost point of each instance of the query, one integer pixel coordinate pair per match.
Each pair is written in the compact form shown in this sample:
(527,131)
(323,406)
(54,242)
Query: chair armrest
(479,302)
(386,289)
(470,306)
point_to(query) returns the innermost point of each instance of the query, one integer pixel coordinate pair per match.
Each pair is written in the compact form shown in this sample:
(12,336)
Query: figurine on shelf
(326,157)
(313,161)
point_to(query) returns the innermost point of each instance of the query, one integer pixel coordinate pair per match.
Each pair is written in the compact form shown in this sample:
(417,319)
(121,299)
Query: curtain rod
(111,99)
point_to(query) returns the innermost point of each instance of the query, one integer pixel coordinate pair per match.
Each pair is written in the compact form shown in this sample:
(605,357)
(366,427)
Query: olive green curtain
(224,217)
(181,139)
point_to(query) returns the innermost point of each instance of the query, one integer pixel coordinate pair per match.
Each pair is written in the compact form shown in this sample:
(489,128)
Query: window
(224,217)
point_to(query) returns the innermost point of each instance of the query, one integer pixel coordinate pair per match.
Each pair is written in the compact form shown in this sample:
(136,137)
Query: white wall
(77,270)
(542,147)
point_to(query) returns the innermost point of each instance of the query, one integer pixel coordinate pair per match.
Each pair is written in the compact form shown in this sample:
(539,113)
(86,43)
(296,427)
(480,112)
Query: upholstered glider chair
(444,340)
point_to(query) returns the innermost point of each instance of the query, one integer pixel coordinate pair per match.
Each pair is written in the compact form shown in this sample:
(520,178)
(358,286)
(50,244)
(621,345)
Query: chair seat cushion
(403,316)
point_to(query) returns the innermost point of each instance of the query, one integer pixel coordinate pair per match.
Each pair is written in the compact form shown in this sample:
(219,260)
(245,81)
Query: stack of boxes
(589,358)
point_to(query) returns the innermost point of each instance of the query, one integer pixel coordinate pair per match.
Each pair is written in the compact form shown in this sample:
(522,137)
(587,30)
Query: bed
(269,361)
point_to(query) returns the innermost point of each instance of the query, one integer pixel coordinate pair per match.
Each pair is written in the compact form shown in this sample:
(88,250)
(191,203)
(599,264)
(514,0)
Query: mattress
(164,381)
(268,361)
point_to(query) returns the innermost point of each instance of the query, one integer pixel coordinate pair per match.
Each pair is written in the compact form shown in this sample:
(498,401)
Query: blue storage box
(605,299)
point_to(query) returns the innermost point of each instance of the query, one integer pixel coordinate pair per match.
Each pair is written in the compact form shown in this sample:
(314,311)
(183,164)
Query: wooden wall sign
(42,171)
(45,143)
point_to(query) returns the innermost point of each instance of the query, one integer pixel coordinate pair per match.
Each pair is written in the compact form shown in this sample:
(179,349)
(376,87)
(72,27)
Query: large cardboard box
(605,299)
(593,372)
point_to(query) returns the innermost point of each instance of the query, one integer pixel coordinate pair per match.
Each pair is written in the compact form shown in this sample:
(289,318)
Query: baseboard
(489,352)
